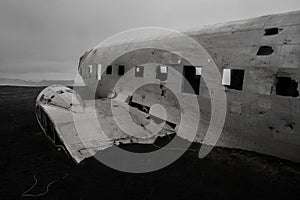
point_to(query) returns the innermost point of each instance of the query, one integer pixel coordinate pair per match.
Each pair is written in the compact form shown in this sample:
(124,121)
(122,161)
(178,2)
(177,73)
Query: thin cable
(24,194)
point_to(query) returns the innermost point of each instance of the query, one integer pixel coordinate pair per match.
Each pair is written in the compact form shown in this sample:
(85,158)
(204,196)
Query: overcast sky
(43,39)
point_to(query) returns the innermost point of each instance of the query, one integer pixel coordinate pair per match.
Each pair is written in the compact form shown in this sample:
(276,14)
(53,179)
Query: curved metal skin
(61,96)
(56,97)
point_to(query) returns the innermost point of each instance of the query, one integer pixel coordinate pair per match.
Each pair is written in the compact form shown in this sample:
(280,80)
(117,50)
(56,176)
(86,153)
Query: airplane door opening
(192,76)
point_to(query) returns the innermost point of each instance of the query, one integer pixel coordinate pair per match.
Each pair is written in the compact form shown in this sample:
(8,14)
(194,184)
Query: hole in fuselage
(286,86)
(233,78)
(265,51)
(271,31)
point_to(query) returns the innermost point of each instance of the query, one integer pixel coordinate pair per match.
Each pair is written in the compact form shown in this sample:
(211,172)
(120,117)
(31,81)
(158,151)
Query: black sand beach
(224,174)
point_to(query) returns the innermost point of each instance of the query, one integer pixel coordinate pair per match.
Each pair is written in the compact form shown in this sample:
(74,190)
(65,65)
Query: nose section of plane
(61,97)
(54,105)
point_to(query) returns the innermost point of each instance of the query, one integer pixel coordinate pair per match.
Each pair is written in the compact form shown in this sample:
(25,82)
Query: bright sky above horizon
(43,39)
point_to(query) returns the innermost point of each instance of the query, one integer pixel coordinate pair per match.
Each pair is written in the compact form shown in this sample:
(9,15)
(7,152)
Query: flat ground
(225,173)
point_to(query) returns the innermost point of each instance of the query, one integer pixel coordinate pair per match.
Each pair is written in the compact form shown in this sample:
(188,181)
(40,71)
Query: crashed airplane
(259,64)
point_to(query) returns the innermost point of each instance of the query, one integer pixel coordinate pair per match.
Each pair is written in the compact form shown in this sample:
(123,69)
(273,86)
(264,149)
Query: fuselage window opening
(109,69)
(286,86)
(121,70)
(271,31)
(162,72)
(192,77)
(139,71)
(233,78)
(198,71)
(99,70)
(265,51)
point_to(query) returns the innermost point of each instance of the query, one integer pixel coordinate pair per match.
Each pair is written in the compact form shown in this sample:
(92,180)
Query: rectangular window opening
(265,51)
(139,71)
(192,76)
(162,73)
(99,72)
(109,69)
(271,31)
(90,69)
(286,86)
(233,78)
(121,70)
(198,71)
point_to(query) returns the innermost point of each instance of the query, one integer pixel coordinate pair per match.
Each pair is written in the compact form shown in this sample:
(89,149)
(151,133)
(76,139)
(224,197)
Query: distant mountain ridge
(19,82)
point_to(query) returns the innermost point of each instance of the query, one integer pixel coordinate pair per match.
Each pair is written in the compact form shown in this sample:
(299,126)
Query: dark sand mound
(224,173)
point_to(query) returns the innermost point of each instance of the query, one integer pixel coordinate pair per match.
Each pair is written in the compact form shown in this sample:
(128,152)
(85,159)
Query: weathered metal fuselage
(263,104)
(259,65)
